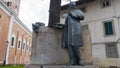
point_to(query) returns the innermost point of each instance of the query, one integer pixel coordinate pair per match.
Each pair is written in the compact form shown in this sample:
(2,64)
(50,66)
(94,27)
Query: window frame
(13,36)
(30,48)
(111,44)
(12,41)
(8,3)
(103,1)
(24,45)
(0,27)
(0,15)
(113,27)
(18,44)
(27,48)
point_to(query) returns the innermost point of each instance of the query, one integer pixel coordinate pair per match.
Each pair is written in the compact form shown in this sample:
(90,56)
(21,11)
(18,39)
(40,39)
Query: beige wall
(97,31)
(94,18)
(95,12)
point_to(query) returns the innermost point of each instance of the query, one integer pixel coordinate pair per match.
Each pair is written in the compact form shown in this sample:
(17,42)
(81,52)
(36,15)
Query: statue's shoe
(72,62)
(80,63)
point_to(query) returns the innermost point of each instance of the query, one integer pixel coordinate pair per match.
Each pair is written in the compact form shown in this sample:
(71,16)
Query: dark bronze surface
(72,34)
(36,26)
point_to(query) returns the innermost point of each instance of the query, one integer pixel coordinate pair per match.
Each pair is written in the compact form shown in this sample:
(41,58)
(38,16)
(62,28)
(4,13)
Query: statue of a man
(72,35)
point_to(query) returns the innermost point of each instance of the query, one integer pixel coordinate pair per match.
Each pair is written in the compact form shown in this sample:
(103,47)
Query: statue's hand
(58,25)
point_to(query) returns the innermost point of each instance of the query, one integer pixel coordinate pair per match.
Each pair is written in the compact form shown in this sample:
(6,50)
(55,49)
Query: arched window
(24,45)
(19,44)
(13,40)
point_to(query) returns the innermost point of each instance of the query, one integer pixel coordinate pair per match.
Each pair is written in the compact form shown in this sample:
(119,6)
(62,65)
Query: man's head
(72,5)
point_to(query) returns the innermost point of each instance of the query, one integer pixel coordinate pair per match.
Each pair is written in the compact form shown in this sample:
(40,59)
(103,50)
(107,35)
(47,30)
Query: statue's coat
(72,33)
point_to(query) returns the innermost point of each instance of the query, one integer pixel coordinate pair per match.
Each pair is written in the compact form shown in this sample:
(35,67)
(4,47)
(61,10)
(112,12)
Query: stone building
(15,37)
(101,31)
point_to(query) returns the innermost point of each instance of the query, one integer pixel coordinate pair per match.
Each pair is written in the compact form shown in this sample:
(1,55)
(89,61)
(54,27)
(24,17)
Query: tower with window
(14,5)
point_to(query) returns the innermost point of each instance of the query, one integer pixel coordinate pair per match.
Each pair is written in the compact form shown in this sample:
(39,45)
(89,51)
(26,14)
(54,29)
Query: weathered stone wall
(46,48)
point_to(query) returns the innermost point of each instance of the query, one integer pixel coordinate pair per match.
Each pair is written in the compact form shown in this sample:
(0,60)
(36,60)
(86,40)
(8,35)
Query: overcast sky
(32,11)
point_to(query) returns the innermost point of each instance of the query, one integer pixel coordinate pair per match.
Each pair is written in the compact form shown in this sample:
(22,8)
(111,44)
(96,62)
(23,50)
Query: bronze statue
(72,34)
(36,26)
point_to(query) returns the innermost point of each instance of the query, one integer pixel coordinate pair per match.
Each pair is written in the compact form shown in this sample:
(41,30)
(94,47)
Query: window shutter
(108,28)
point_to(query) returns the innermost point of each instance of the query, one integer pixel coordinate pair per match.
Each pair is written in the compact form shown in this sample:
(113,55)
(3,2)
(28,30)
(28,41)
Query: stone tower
(14,5)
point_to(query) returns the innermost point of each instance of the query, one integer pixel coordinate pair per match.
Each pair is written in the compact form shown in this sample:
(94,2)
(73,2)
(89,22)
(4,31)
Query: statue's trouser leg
(77,54)
(72,55)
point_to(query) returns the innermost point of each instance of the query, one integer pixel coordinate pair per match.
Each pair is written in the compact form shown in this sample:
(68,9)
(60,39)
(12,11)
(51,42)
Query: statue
(72,34)
(36,26)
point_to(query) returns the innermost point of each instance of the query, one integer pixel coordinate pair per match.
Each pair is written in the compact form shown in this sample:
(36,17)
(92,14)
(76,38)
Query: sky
(32,11)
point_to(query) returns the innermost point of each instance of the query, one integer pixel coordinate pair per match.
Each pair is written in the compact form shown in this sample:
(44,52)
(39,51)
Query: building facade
(101,29)
(15,37)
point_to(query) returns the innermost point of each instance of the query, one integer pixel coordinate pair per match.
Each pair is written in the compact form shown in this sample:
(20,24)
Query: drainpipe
(4,62)
(8,40)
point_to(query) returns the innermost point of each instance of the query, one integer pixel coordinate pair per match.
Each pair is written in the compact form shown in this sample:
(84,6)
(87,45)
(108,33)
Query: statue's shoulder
(77,10)
(76,13)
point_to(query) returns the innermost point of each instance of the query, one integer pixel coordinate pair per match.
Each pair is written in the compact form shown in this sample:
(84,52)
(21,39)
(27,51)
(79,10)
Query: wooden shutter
(108,28)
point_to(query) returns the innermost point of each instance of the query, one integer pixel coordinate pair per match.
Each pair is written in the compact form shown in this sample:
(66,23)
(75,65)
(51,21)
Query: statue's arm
(58,25)
(81,15)
(77,14)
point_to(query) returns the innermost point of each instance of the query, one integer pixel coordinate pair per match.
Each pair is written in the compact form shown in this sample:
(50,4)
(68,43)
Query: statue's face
(72,5)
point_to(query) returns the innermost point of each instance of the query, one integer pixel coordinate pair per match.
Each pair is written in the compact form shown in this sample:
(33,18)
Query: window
(16,6)
(12,42)
(64,15)
(19,43)
(0,15)
(23,48)
(111,50)
(27,47)
(0,27)
(8,3)
(30,49)
(83,9)
(105,3)
(108,28)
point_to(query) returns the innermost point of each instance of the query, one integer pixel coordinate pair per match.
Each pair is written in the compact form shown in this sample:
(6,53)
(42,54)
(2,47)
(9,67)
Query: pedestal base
(47,49)
(59,66)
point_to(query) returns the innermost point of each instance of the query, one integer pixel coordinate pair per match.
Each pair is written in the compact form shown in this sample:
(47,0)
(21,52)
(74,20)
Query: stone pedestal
(47,50)
(46,47)
(59,66)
